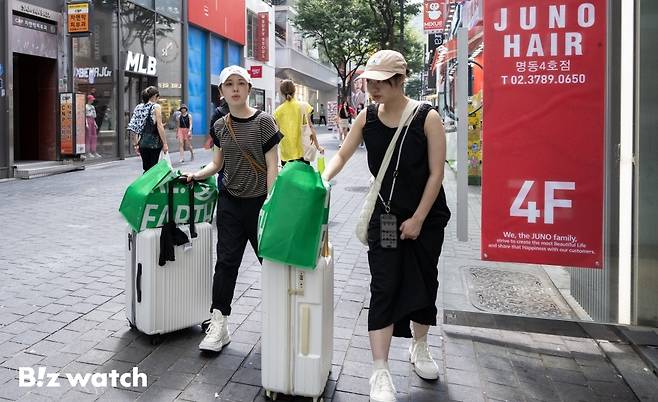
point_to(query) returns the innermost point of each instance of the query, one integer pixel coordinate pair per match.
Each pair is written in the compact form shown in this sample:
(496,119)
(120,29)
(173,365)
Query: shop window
(144,3)
(234,54)
(217,49)
(257,99)
(93,74)
(170,8)
(170,78)
(137,29)
(281,25)
(252,26)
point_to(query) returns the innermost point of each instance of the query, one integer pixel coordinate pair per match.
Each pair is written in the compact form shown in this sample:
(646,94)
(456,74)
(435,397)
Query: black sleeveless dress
(404,281)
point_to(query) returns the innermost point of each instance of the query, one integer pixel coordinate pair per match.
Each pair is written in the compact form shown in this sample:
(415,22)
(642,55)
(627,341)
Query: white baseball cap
(234,70)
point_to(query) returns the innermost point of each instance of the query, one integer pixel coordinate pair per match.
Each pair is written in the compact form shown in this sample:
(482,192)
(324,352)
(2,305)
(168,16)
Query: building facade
(53,65)
(259,54)
(216,36)
(298,59)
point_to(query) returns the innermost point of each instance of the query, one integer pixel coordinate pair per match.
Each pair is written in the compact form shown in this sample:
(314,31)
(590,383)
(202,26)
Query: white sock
(379,365)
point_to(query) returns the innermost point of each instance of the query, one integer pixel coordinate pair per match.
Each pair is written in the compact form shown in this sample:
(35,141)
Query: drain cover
(513,292)
(357,189)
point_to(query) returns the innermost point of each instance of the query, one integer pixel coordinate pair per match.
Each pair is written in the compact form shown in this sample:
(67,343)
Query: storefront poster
(66,123)
(544,99)
(80,112)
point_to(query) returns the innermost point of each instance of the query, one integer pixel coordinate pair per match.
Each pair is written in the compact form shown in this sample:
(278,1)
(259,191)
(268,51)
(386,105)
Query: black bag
(150,138)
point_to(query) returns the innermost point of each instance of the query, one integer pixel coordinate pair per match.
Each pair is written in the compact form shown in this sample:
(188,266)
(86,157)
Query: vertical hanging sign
(78,17)
(544,105)
(433,16)
(262,50)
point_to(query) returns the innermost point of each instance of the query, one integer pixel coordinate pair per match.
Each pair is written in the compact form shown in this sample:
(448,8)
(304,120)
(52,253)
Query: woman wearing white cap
(246,147)
(405,230)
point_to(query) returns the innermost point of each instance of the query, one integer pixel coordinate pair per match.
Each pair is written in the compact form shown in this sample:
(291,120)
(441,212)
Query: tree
(349,31)
(413,87)
(388,13)
(343,30)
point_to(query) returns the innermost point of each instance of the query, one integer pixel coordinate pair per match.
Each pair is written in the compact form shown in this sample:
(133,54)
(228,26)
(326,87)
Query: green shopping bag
(144,204)
(293,221)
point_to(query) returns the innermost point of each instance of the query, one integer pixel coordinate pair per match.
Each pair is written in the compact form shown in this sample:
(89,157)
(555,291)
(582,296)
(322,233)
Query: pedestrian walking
(405,231)
(152,139)
(290,116)
(323,115)
(246,148)
(184,132)
(220,111)
(91,128)
(344,117)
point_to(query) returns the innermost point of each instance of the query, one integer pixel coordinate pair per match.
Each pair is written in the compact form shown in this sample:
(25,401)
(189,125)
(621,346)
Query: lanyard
(387,205)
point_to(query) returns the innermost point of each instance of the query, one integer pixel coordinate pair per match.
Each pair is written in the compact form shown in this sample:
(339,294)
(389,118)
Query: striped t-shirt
(256,135)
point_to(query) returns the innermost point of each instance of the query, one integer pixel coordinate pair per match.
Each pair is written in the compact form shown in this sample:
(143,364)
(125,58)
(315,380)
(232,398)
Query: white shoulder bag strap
(371,199)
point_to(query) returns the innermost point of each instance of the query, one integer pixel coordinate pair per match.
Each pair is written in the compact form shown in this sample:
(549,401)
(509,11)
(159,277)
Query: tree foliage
(343,30)
(388,14)
(349,31)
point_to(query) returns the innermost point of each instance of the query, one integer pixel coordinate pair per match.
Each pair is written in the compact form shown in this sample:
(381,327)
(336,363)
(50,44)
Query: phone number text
(544,79)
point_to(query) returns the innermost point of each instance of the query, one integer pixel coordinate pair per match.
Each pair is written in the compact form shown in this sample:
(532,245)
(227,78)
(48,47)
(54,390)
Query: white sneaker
(97,155)
(381,387)
(217,335)
(424,365)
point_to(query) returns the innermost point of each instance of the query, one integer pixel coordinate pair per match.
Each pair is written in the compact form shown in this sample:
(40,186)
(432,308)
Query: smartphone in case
(388,231)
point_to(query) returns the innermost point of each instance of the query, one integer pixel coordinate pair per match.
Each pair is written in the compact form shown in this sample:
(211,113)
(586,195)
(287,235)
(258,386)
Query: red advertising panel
(256,71)
(433,16)
(544,95)
(262,45)
(226,18)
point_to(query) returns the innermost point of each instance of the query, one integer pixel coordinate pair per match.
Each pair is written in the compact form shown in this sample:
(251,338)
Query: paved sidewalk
(62,307)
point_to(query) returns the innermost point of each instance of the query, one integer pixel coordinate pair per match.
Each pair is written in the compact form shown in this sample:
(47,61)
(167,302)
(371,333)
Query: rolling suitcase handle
(190,185)
(138,282)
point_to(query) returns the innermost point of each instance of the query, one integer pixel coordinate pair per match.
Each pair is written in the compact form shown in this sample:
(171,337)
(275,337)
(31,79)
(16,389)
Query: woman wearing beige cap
(405,230)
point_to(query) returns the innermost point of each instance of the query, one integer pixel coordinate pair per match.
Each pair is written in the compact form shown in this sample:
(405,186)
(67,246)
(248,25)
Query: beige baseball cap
(384,65)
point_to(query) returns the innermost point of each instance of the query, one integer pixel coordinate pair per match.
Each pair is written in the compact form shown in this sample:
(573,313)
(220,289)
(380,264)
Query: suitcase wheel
(155,340)
(271,395)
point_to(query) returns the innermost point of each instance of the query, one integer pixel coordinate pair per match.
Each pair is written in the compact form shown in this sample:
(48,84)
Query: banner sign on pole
(78,17)
(544,89)
(433,16)
(262,45)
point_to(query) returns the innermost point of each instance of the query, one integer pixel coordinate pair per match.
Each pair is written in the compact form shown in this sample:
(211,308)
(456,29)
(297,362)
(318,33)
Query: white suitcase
(298,327)
(172,297)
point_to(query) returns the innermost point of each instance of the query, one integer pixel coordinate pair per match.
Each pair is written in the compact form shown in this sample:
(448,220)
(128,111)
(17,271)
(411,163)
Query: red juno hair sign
(543,138)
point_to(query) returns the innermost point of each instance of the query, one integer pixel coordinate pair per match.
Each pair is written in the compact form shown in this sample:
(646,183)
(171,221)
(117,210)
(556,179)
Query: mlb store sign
(544,84)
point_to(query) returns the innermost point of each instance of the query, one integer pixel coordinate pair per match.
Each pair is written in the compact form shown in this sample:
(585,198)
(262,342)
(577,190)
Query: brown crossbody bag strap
(257,167)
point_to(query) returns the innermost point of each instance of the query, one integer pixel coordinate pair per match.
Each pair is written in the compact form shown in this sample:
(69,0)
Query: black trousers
(150,157)
(237,223)
(322,119)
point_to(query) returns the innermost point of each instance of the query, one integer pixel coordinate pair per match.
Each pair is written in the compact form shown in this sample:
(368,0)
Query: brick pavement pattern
(62,307)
